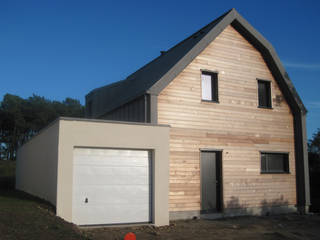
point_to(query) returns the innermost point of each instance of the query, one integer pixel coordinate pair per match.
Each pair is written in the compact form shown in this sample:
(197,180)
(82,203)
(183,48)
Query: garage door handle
(86,200)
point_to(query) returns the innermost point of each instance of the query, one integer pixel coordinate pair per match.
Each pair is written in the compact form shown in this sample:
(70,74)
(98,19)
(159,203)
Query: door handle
(86,200)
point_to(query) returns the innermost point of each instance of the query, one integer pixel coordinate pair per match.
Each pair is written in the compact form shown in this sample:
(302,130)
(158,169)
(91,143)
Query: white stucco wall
(45,163)
(36,169)
(104,134)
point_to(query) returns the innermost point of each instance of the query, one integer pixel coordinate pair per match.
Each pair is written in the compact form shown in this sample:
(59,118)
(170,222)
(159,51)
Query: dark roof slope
(156,75)
(141,81)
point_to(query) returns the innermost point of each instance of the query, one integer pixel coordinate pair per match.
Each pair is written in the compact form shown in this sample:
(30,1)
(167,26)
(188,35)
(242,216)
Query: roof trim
(108,121)
(254,37)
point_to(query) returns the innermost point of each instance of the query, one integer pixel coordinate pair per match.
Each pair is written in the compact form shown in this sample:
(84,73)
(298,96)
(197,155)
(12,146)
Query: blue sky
(60,49)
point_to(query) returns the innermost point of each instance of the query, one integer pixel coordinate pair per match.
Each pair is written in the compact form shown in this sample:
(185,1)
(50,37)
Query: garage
(111,186)
(99,172)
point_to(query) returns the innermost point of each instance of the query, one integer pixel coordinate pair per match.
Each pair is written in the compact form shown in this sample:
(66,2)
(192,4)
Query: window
(264,92)
(274,162)
(209,85)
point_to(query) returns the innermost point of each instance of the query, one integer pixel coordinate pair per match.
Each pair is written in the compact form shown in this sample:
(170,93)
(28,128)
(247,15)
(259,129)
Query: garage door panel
(116,184)
(110,171)
(133,213)
(98,195)
(111,175)
(110,153)
(112,161)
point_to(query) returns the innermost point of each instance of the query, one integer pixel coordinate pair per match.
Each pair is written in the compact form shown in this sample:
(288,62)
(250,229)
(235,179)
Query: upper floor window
(274,162)
(264,92)
(209,86)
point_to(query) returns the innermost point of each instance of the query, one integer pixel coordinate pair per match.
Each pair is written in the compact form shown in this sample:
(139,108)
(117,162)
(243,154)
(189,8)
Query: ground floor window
(274,162)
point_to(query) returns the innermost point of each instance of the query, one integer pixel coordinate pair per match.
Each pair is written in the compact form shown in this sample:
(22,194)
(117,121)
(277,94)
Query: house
(212,127)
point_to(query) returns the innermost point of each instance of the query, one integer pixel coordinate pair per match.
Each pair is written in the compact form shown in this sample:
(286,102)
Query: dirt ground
(28,218)
(291,226)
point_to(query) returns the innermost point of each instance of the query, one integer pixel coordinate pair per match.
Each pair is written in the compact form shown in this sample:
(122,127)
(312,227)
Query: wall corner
(302,164)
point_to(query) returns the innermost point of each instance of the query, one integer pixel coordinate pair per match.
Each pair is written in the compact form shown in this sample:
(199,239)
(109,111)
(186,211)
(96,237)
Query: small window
(274,162)
(264,92)
(209,85)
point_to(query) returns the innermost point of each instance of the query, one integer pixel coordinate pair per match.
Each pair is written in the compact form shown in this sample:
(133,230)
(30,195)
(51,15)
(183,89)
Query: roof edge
(195,51)
(265,47)
(271,57)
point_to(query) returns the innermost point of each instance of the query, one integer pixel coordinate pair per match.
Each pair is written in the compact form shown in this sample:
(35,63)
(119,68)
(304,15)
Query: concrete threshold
(116,225)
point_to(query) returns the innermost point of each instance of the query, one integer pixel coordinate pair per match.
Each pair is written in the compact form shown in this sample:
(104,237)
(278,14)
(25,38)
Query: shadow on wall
(277,206)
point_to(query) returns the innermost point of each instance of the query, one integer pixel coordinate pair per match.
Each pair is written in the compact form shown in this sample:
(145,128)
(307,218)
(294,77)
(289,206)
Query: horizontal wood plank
(235,124)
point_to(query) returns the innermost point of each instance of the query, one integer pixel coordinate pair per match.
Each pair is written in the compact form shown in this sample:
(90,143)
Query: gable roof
(156,75)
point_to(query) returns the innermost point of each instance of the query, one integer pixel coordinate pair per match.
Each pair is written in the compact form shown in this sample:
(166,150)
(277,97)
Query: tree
(21,119)
(314,152)
(314,143)
(12,124)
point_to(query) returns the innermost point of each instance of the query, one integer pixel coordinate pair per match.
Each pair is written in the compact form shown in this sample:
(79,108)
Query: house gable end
(257,40)
(234,121)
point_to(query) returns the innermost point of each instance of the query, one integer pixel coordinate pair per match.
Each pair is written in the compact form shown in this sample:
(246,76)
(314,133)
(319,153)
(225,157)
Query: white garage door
(111,186)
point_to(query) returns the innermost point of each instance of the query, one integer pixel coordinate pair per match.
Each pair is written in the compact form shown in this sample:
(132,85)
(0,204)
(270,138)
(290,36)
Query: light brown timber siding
(235,124)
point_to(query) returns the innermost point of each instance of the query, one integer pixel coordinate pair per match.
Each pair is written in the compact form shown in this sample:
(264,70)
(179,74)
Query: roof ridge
(201,29)
(179,43)
(131,76)
(158,73)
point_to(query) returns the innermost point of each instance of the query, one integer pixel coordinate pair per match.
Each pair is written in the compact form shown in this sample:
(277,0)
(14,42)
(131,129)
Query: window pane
(268,94)
(286,163)
(206,87)
(274,162)
(264,93)
(214,82)
(263,162)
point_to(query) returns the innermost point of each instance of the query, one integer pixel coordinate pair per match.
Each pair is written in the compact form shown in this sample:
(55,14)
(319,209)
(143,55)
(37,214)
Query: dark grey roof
(138,83)
(156,75)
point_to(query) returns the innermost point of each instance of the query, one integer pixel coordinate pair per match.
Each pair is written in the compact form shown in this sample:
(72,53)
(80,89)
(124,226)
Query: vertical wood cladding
(235,124)
(134,111)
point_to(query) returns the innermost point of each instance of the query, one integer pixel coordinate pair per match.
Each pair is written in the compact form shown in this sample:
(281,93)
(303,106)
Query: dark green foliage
(314,167)
(314,152)
(20,119)
(314,143)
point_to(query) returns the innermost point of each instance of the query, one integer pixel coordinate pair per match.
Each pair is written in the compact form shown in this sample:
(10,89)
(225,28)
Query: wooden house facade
(237,125)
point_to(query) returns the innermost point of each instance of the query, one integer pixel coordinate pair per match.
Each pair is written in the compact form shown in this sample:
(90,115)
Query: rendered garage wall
(107,134)
(36,171)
